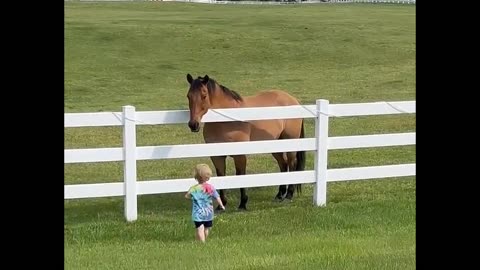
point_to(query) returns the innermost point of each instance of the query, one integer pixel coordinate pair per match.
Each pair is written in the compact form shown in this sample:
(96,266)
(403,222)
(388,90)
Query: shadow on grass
(93,210)
(174,204)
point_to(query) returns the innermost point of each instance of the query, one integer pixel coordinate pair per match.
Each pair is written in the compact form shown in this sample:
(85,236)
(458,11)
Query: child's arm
(219,201)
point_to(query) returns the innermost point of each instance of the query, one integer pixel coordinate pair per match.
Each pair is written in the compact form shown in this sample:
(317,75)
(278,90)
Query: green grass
(139,53)
(367,225)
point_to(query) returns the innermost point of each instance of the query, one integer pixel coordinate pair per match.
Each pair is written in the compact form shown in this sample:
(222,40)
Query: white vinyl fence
(291,2)
(130,188)
(261,2)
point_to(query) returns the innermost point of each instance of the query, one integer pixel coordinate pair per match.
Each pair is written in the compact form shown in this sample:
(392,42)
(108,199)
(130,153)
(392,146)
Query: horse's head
(198,101)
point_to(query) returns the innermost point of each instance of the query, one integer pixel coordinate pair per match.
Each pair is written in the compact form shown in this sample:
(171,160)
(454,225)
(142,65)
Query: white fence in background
(321,143)
(260,2)
(290,2)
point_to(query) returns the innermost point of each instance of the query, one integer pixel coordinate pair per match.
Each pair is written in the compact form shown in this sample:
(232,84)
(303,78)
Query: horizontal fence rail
(237,148)
(262,2)
(129,153)
(287,2)
(243,114)
(238,181)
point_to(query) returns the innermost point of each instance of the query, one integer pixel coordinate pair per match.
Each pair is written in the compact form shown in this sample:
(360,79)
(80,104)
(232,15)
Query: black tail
(301,157)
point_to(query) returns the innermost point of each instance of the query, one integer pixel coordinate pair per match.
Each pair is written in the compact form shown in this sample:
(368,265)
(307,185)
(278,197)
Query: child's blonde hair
(202,173)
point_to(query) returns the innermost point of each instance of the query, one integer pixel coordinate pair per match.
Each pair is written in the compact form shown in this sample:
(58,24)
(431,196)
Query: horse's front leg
(240,169)
(219,163)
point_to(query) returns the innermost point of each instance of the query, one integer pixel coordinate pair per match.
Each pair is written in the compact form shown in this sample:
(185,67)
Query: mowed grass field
(139,54)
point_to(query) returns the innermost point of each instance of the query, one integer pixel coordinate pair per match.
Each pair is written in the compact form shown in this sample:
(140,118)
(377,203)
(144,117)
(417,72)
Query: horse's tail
(301,157)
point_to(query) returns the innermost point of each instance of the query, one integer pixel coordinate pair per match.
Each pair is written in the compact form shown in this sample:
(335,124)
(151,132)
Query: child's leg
(206,231)
(208,226)
(200,233)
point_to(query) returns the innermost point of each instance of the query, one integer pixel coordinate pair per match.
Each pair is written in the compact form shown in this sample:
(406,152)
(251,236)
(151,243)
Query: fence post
(130,162)
(321,141)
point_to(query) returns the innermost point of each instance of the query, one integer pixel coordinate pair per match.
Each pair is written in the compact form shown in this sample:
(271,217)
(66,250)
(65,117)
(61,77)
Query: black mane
(211,86)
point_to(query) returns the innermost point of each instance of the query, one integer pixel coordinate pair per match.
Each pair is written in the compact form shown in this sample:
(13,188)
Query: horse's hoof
(287,200)
(279,197)
(242,208)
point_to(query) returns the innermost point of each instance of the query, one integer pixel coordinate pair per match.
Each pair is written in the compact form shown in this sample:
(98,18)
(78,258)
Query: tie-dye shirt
(202,205)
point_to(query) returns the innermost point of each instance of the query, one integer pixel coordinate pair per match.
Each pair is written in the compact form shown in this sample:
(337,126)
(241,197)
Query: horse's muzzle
(194,126)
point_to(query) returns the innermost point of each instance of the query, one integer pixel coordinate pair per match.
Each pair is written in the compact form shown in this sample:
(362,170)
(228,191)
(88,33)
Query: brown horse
(205,93)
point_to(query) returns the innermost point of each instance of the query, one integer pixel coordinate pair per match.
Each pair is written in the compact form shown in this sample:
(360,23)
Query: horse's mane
(211,86)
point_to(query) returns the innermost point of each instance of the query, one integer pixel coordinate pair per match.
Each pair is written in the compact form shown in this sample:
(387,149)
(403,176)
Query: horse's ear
(205,79)
(189,78)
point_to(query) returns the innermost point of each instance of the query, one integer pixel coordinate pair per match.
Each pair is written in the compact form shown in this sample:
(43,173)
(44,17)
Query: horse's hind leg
(219,163)
(282,164)
(240,169)
(291,160)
